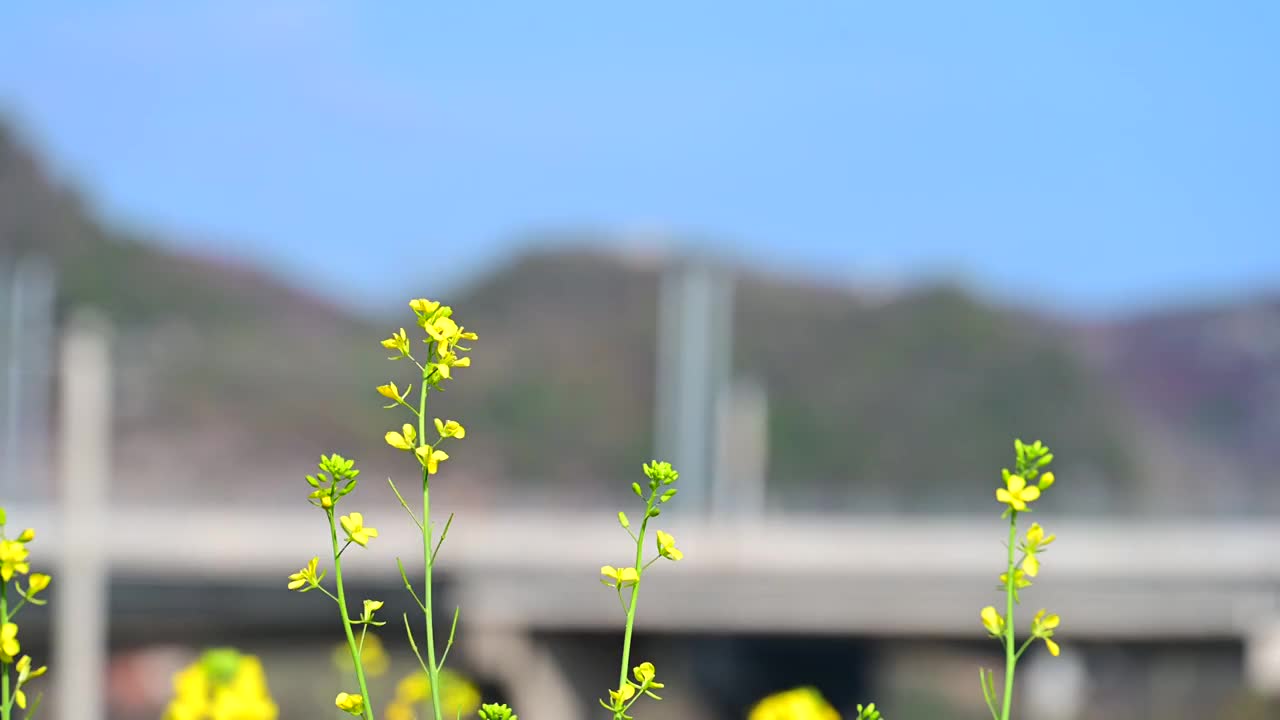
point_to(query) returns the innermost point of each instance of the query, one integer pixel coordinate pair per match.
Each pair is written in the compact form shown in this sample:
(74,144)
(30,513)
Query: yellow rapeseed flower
(1035,543)
(667,547)
(1018,494)
(798,704)
(373,657)
(644,673)
(451,428)
(431,458)
(622,694)
(392,393)
(1042,626)
(399,342)
(27,535)
(1046,480)
(406,439)
(25,673)
(1020,580)
(306,578)
(992,621)
(9,646)
(353,704)
(423,306)
(447,361)
(356,531)
(445,332)
(37,582)
(13,558)
(371,607)
(619,577)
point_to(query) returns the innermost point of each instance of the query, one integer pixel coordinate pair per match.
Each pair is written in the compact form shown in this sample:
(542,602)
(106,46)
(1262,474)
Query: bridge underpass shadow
(736,672)
(718,677)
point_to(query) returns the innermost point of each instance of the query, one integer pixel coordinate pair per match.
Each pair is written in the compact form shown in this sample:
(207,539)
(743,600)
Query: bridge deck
(856,575)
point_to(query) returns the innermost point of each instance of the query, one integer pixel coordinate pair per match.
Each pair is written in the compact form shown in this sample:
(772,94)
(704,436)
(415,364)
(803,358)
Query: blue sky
(1089,157)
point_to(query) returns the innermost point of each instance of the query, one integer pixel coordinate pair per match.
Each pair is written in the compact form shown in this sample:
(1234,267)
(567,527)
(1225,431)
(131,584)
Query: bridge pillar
(1056,687)
(1262,655)
(527,668)
(80,614)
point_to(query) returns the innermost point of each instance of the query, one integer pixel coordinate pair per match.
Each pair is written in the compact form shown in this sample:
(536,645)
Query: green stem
(1010,656)
(631,608)
(346,619)
(433,670)
(6,702)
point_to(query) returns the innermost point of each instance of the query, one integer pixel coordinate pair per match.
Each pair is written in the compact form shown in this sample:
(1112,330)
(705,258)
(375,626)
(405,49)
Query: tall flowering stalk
(644,682)
(444,352)
(335,480)
(15,668)
(1022,563)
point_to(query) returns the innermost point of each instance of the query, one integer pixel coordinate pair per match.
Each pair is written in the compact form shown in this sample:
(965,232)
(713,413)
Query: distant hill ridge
(231,381)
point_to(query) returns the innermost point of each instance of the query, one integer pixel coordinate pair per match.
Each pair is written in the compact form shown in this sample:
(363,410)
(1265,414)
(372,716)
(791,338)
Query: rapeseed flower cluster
(804,703)
(17,669)
(446,351)
(222,685)
(458,696)
(1023,487)
(643,681)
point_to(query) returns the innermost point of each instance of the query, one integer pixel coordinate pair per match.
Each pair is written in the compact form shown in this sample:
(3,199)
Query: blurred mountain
(225,377)
(230,382)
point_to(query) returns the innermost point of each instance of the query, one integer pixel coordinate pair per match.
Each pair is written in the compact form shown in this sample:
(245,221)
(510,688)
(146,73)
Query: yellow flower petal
(1031,565)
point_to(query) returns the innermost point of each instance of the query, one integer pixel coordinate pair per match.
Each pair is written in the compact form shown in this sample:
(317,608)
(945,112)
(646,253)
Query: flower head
(9,646)
(36,583)
(1019,579)
(450,429)
(1018,494)
(370,607)
(992,621)
(622,694)
(1042,626)
(398,342)
(644,673)
(619,577)
(431,458)
(667,547)
(13,558)
(447,361)
(495,711)
(25,673)
(406,439)
(1034,545)
(803,703)
(353,704)
(306,579)
(423,306)
(660,473)
(356,531)
(392,393)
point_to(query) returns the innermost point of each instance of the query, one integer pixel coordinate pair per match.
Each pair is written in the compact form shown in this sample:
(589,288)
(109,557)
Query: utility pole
(695,343)
(28,290)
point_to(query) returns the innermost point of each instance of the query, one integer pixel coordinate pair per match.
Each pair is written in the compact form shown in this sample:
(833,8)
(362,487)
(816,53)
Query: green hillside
(231,382)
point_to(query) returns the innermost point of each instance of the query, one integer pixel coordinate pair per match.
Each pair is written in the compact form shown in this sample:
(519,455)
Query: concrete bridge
(525,577)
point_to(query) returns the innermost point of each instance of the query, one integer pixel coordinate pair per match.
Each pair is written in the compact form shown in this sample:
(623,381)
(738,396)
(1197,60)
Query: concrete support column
(84,447)
(1056,688)
(1262,655)
(538,685)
